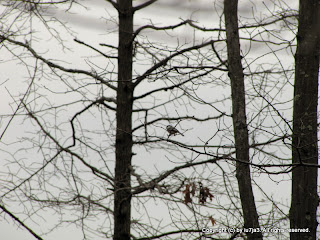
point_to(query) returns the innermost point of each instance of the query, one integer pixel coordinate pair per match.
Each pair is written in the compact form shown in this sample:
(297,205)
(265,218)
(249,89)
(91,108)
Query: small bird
(173,131)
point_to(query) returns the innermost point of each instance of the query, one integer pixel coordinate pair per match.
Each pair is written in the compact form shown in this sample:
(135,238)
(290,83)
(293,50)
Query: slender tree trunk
(122,195)
(304,141)
(239,118)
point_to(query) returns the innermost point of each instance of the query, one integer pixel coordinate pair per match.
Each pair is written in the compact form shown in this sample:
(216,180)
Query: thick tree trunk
(239,118)
(122,194)
(304,140)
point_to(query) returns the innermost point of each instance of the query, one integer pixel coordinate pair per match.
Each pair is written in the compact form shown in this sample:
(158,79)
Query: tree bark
(239,118)
(122,194)
(304,140)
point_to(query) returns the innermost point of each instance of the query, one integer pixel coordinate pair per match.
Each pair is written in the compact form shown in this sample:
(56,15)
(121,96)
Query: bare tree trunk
(304,141)
(122,195)
(239,118)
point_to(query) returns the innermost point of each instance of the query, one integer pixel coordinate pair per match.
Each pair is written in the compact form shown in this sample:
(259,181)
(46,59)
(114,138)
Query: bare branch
(20,222)
(170,27)
(164,61)
(53,65)
(176,119)
(97,50)
(170,233)
(108,45)
(19,105)
(114,4)
(143,5)
(67,149)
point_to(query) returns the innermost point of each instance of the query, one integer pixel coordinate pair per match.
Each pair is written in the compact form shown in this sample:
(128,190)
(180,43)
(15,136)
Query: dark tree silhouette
(239,118)
(305,199)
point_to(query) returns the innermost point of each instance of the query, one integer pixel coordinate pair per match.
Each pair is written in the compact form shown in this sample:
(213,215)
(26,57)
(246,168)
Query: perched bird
(173,131)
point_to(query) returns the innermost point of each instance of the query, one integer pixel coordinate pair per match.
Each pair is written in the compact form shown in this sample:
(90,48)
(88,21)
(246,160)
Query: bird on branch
(173,131)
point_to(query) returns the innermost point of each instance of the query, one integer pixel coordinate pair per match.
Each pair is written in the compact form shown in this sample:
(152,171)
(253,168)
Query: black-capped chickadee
(173,131)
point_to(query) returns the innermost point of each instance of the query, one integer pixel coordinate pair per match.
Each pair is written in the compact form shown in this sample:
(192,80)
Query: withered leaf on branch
(204,193)
(213,222)
(190,190)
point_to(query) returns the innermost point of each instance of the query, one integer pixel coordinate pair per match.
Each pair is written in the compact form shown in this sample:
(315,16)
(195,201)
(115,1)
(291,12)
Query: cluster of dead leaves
(191,189)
